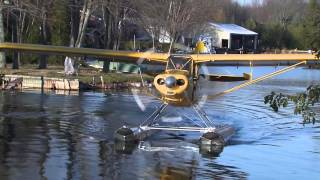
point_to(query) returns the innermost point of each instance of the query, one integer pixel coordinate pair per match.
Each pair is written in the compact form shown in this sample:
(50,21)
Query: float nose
(170,81)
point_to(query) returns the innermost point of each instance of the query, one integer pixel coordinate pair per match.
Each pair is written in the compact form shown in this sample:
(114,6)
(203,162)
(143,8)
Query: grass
(85,74)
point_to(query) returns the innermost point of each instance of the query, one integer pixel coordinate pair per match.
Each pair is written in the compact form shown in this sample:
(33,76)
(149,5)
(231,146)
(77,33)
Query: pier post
(3,81)
(42,84)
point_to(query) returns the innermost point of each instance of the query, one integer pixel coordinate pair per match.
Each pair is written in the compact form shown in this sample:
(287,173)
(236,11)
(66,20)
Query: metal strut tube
(155,114)
(209,125)
(202,115)
(289,68)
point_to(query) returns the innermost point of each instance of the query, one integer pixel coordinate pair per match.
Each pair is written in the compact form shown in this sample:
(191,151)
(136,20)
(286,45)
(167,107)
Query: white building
(231,36)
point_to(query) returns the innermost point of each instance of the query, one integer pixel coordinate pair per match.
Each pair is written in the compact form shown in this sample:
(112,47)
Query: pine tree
(60,24)
(312,25)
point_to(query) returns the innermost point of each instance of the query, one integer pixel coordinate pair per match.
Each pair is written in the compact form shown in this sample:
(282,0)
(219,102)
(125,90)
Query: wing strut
(289,68)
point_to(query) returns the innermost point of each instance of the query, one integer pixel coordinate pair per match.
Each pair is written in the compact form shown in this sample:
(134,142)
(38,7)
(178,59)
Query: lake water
(52,136)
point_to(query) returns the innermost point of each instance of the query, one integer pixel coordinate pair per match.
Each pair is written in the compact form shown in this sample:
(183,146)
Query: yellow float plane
(177,84)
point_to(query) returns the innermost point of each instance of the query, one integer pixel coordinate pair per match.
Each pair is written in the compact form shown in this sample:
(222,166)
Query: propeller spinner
(170,81)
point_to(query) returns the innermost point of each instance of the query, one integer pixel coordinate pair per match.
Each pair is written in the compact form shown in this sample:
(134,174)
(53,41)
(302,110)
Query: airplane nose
(170,81)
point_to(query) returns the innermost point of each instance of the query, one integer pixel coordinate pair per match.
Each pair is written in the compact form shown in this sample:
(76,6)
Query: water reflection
(70,137)
(173,173)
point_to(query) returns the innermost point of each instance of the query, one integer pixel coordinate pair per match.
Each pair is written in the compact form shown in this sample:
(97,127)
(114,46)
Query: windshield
(179,63)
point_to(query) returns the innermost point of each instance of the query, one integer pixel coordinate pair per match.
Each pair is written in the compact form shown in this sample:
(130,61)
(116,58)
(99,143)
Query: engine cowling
(171,84)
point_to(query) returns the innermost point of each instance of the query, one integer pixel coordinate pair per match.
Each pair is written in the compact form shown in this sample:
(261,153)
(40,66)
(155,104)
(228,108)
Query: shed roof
(233,29)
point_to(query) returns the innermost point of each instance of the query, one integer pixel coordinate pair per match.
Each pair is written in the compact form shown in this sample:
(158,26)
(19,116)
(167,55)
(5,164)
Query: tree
(146,17)
(115,15)
(305,103)
(58,25)
(43,11)
(18,16)
(312,25)
(78,26)
(87,9)
(172,17)
(21,16)
(2,55)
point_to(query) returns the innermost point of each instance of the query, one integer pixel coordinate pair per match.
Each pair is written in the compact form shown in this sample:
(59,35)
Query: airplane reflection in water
(55,138)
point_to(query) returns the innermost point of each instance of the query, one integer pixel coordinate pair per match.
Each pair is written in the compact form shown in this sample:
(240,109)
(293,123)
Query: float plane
(177,84)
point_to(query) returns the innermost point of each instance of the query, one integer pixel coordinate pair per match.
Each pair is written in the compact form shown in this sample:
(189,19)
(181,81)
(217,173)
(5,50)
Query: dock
(11,82)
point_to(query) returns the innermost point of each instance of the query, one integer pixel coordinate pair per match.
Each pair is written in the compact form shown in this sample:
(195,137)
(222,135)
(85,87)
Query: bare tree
(43,7)
(147,17)
(22,16)
(281,12)
(87,9)
(172,17)
(2,55)
(78,26)
(114,13)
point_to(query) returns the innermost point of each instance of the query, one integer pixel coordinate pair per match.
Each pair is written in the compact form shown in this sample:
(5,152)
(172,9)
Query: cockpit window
(179,63)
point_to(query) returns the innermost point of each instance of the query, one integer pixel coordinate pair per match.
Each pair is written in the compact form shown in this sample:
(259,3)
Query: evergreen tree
(60,23)
(312,25)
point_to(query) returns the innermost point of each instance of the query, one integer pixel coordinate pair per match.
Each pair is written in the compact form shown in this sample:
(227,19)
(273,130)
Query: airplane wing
(202,58)
(127,56)
(131,56)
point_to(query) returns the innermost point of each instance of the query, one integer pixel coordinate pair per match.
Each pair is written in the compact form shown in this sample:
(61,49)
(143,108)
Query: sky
(244,2)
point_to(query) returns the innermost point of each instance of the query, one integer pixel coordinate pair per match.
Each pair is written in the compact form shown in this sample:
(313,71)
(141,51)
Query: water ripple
(71,137)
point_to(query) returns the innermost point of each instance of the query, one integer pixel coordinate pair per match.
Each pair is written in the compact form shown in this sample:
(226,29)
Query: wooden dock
(10,82)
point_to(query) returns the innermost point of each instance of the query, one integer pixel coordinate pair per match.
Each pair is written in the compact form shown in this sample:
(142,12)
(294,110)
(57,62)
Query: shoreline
(53,78)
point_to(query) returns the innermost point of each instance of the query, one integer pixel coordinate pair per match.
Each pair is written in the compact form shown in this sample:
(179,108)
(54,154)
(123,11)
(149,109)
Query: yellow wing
(128,56)
(201,58)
